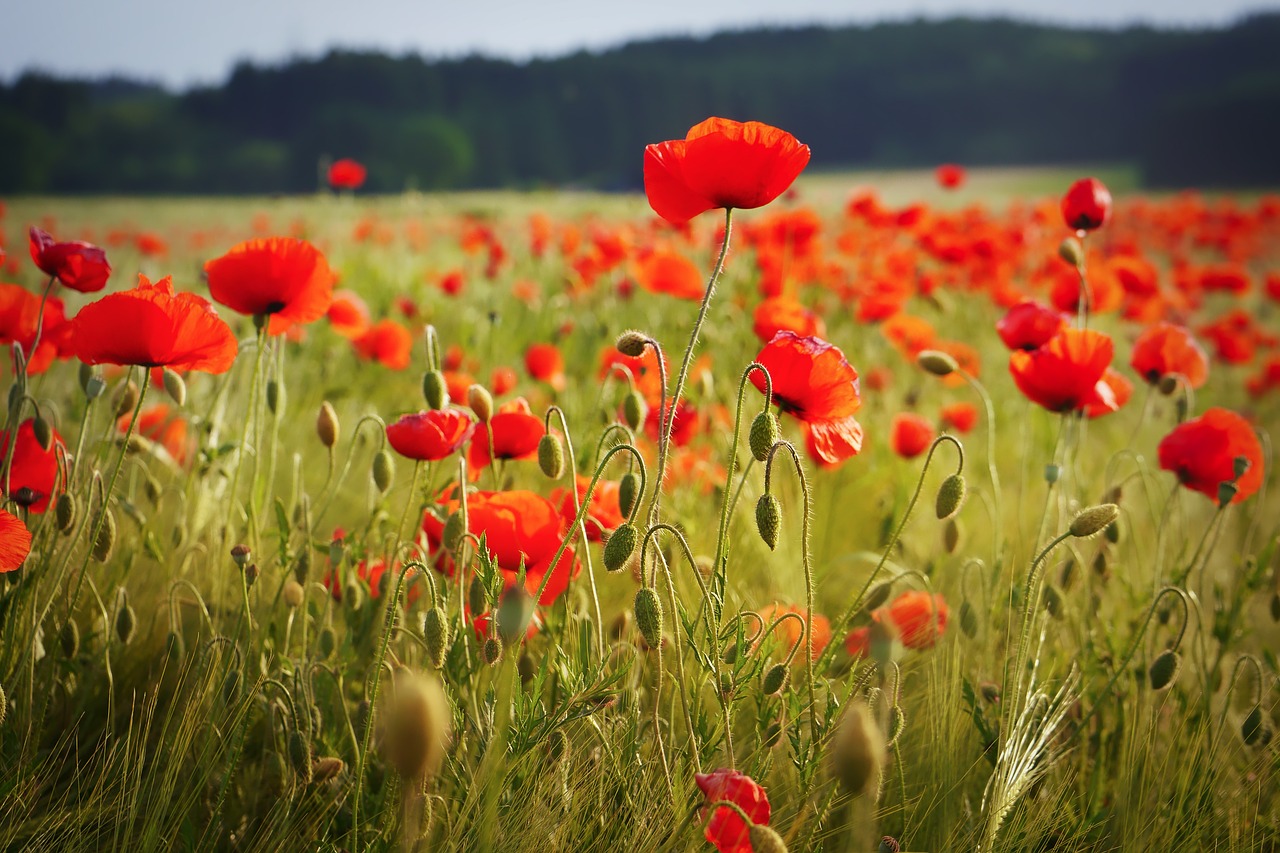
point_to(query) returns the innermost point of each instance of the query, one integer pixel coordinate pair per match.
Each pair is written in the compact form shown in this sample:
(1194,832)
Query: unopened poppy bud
(632,343)
(300,756)
(435,632)
(293,594)
(69,639)
(327,642)
(1093,520)
(1256,730)
(856,754)
(951,535)
(1168,384)
(551,456)
(384,469)
(455,527)
(897,722)
(326,768)
(950,496)
(64,512)
(1226,492)
(240,555)
(251,573)
(888,844)
(43,433)
(434,390)
(514,612)
(480,401)
(1052,472)
(990,692)
(477,597)
(491,651)
(175,386)
(1240,465)
(621,545)
(634,410)
(876,596)
(106,539)
(628,493)
(275,393)
(648,609)
(26,497)
(126,623)
(727,687)
(86,372)
(775,679)
(327,425)
(1164,669)
(730,655)
(937,362)
(765,839)
(127,398)
(768,519)
(1072,251)
(764,434)
(968,619)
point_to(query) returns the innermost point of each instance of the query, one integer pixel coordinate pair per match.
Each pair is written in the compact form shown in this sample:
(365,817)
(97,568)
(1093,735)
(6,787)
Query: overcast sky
(180,42)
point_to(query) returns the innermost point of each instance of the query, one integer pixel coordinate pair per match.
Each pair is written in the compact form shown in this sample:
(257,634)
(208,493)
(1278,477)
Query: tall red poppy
(15,541)
(1086,205)
(515,432)
(918,617)
(348,315)
(910,435)
(165,329)
(813,382)
(33,467)
(781,313)
(1165,349)
(19,314)
(1067,372)
(346,174)
(283,277)
(432,435)
(726,829)
(78,265)
(721,163)
(1203,453)
(545,363)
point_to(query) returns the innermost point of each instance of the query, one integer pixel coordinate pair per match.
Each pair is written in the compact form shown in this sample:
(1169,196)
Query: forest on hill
(1188,107)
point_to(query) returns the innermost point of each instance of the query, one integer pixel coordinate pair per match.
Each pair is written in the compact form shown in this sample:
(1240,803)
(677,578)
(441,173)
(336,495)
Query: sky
(185,42)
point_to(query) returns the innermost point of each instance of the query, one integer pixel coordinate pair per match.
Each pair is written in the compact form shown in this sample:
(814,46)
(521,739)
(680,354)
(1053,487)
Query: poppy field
(760,511)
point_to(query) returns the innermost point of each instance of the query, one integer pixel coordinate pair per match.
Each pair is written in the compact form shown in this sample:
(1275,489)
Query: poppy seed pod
(634,410)
(951,535)
(621,545)
(551,456)
(856,755)
(1165,669)
(327,425)
(631,343)
(384,469)
(951,495)
(769,519)
(764,434)
(434,390)
(775,679)
(764,839)
(293,594)
(1093,520)
(491,651)
(435,632)
(105,542)
(175,386)
(628,493)
(480,401)
(240,555)
(648,609)
(937,362)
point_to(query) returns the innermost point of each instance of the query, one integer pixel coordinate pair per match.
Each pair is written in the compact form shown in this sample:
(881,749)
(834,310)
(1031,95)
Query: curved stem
(582,528)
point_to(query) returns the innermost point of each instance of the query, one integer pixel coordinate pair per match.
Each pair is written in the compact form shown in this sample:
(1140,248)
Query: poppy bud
(477,597)
(327,425)
(327,642)
(730,655)
(1168,384)
(69,639)
(1226,492)
(326,768)
(302,566)
(621,545)
(240,555)
(950,496)
(43,433)
(951,535)
(764,434)
(64,512)
(968,619)
(1165,669)
(764,839)
(1086,205)
(455,527)
(293,594)
(480,401)
(897,722)
(775,679)
(634,410)
(514,612)
(251,573)
(231,687)
(434,389)
(106,539)
(876,596)
(435,631)
(274,392)
(126,622)
(1071,251)
(768,519)
(1256,730)
(491,651)
(551,456)
(990,692)
(1093,520)
(888,844)
(175,386)
(127,398)
(856,754)
(300,756)
(1113,532)
(632,343)
(384,469)
(937,362)
(153,488)
(648,609)
(1052,472)
(628,493)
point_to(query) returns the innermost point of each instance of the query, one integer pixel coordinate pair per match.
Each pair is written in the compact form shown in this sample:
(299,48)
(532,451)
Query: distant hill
(1189,107)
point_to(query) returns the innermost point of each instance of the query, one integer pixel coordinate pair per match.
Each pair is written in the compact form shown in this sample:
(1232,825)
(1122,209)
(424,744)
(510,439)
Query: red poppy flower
(430,436)
(386,342)
(181,331)
(515,432)
(789,631)
(283,277)
(376,578)
(502,380)
(519,527)
(1164,349)
(348,315)
(667,271)
(346,174)
(160,424)
(33,467)
(910,435)
(721,163)
(78,265)
(950,176)
(1029,325)
(603,513)
(545,363)
(1066,373)
(920,618)
(1203,453)
(813,382)
(684,427)
(961,417)
(1118,390)
(18,311)
(15,542)
(1087,205)
(783,313)
(726,829)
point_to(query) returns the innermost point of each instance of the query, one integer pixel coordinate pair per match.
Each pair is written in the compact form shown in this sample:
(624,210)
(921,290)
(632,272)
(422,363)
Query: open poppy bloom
(917,618)
(789,632)
(1066,373)
(667,271)
(960,417)
(15,541)
(181,331)
(1087,205)
(603,513)
(1029,325)
(721,163)
(78,265)
(161,424)
(430,436)
(34,472)
(386,342)
(1205,451)
(813,382)
(545,363)
(512,433)
(1118,390)
(950,176)
(1165,349)
(346,174)
(348,315)
(519,527)
(19,314)
(726,829)
(283,277)
(910,435)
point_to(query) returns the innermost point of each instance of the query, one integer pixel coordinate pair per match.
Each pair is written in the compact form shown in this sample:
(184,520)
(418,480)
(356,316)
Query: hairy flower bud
(435,632)
(632,343)
(1165,669)
(621,545)
(127,399)
(42,432)
(491,651)
(775,679)
(857,751)
(1093,520)
(764,839)
(384,469)
(1071,251)
(434,389)
(327,428)
(937,362)
(105,542)
(480,401)
(648,609)
(951,495)
(769,519)
(628,493)
(300,756)
(551,456)
(764,434)
(175,386)
(64,512)
(634,410)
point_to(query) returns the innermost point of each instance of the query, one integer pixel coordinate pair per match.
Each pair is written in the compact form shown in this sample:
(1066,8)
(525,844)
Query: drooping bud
(765,433)
(968,619)
(126,622)
(251,573)
(775,679)
(434,390)
(648,609)
(857,751)
(1072,251)
(1165,669)
(64,512)
(175,386)
(951,495)
(937,362)
(764,839)
(769,519)
(514,612)
(327,425)
(418,723)
(127,399)
(628,493)
(1256,729)
(455,527)
(632,343)
(69,638)
(480,401)
(326,768)
(384,469)
(621,545)
(327,642)
(300,756)
(634,410)
(951,535)
(551,456)
(106,538)
(1093,520)
(477,597)
(42,432)
(274,392)
(435,632)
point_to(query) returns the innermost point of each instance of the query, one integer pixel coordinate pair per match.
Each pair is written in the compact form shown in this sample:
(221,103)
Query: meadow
(935,554)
